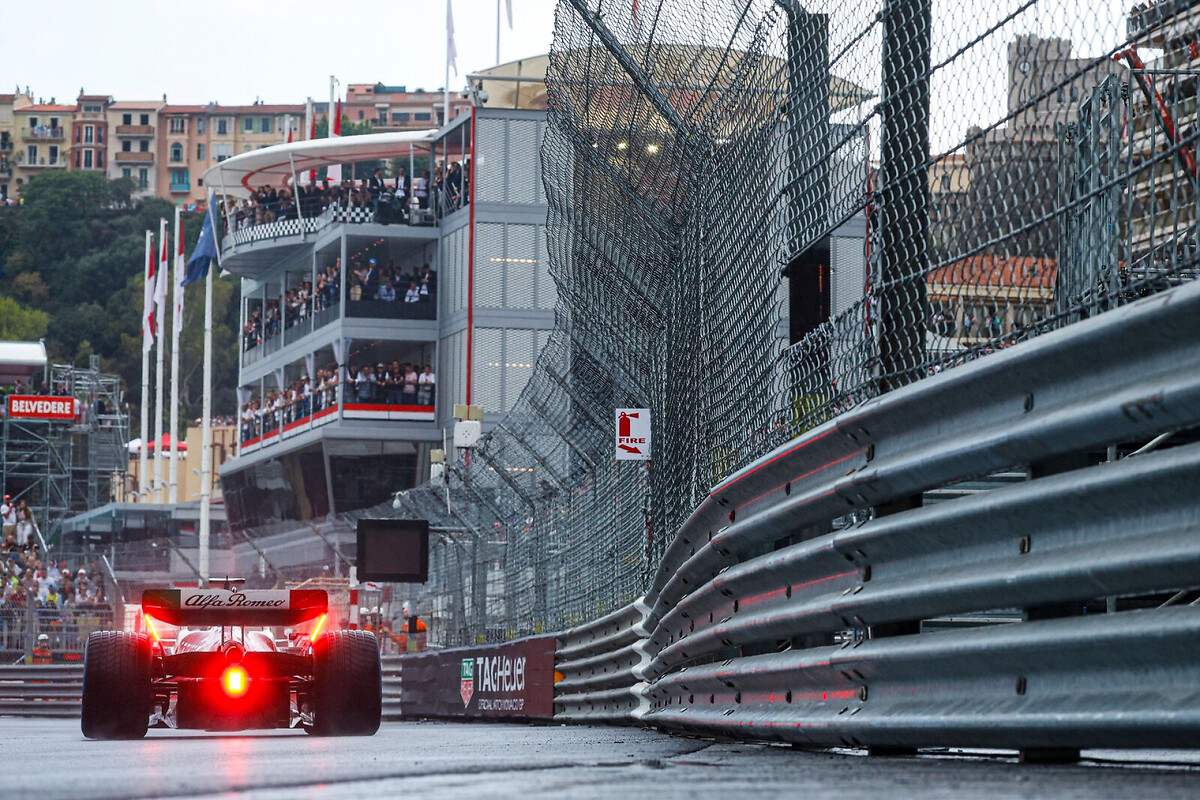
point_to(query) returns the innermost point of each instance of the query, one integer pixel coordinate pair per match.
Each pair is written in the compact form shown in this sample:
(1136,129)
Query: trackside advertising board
(25,406)
(514,680)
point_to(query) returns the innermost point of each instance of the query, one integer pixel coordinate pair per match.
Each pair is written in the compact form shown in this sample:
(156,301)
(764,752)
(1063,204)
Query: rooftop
(137,105)
(998,271)
(44,107)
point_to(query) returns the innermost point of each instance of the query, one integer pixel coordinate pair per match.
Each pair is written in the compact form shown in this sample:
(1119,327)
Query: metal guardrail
(601,664)
(391,687)
(41,691)
(758,586)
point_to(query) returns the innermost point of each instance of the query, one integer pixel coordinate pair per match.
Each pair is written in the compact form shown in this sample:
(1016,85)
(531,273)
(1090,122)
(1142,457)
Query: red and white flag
(451,50)
(148,304)
(162,277)
(180,274)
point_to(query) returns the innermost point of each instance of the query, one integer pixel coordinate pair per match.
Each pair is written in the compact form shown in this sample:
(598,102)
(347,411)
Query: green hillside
(72,260)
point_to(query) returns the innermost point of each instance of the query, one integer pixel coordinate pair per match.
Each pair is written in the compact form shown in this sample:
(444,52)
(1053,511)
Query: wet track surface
(436,759)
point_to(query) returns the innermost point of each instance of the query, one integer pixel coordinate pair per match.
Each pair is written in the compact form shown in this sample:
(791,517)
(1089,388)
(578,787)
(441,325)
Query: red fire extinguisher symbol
(625,433)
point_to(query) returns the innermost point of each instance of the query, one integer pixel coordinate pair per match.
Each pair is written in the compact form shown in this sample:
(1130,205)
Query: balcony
(181,187)
(5,168)
(133,157)
(51,134)
(44,161)
(6,145)
(135,130)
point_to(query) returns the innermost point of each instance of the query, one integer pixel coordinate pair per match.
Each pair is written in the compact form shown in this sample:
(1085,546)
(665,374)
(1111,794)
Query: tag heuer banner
(511,681)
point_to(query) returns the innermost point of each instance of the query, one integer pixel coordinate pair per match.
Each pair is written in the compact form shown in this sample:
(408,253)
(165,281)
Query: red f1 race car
(225,670)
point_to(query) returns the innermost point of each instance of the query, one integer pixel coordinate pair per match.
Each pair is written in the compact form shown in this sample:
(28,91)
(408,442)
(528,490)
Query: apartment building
(133,126)
(89,147)
(395,108)
(194,137)
(42,139)
(9,102)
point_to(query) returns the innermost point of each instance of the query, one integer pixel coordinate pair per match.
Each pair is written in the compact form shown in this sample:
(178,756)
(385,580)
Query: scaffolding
(66,467)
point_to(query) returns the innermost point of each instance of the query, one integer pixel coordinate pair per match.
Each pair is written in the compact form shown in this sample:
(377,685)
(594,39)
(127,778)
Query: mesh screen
(927,182)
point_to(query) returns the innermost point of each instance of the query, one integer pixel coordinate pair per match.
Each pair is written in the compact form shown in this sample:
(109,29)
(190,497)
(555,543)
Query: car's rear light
(235,681)
(150,627)
(316,631)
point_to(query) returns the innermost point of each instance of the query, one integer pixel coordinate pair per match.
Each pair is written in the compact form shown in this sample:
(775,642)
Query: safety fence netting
(763,213)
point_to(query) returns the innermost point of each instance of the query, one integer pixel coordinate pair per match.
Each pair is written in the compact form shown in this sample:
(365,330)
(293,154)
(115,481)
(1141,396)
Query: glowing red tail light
(235,681)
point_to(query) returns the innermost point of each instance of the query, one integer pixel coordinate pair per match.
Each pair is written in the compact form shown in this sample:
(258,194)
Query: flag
(508,7)
(337,119)
(180,267)
(162,277)
(451,51)
(312,134)
(206,246)
(148,304)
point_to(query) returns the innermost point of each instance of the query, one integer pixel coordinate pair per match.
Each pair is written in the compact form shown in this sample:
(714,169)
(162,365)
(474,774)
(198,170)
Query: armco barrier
(392,680)
(511,681)
(758,588)
(41,691)
(601,666)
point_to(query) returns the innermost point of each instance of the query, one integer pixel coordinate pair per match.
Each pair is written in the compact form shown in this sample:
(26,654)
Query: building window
(87,159)
(422,116)
(247,148)
(31,154)
(222,151)
(360,114)
(53,157)
(201,125)
(144,145)
(176,153)
(248,125)
(88,134)
(143,178)
(126,146)
(200,152)
(99,159)
(145,119)
(92,109)
(126,172)
(401,116)
(178,125)
(54,122)
(77,159)
(32,123)
(179,180)
(266,124)
(127,119)
(222,127)
(99,135)
(946,183)
(1074,93)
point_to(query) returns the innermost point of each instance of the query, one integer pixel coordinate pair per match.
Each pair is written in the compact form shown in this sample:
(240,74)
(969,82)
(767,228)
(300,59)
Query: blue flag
(206,247)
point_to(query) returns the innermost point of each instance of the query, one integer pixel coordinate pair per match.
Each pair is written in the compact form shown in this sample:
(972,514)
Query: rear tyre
(116,686)
(347,684)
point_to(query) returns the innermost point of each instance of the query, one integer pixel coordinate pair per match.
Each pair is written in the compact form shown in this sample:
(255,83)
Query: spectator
(426,383)
(8,517)
(387,293)
(411,383)
(24,526)
(413,295)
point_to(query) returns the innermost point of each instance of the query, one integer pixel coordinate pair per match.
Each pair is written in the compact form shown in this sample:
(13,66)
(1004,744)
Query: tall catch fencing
(766,213)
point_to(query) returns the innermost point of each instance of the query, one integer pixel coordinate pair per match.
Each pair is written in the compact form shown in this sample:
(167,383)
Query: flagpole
(176,328)
(143,458)
(160,312)
(446,85)
(206,420)
(497,31)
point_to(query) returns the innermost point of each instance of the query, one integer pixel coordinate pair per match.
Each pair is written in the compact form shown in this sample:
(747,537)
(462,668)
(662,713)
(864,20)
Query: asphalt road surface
(50,759)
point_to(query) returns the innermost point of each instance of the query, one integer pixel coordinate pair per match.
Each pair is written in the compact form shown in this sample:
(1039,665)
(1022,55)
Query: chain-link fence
(764,213)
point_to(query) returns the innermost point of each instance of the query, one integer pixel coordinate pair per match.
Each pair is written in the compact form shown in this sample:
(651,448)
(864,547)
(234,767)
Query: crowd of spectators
(388,199)
(48,583)
(298,305)
(299,399)
(395,384)
(389,284)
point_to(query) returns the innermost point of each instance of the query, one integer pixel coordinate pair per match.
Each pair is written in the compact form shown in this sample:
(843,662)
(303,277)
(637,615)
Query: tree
(21,324)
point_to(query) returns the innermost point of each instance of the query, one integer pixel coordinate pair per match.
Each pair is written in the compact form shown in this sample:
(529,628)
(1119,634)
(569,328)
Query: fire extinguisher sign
(633,434)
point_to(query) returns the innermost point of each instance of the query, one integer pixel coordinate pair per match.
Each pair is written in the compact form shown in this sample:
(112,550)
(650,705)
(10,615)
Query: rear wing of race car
(234,607)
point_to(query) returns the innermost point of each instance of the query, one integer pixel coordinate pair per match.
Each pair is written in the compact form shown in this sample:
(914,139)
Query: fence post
(904,191)
(30,624)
